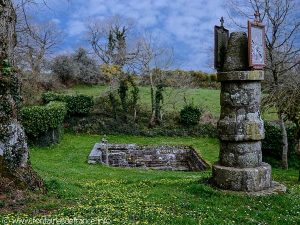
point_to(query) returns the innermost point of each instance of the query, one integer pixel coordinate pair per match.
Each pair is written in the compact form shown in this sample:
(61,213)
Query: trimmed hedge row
(76,105)
(39,119)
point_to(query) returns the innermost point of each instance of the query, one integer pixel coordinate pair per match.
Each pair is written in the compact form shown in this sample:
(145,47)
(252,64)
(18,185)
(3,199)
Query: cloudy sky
(185,25)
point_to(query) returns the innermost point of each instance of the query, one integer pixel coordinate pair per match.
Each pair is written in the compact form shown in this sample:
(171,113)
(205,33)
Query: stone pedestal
(241,129)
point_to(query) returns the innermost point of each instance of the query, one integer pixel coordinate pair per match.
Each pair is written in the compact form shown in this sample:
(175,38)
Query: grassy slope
(174,98)
(123,196)
(208,99)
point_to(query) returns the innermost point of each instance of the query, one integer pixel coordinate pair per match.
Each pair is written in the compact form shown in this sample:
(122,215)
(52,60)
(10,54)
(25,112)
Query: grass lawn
(208,99)
(132,196)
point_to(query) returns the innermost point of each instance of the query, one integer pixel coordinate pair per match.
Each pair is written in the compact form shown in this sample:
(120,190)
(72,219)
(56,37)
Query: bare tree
(35,44)
(152,61)
(110,41)
(282,32)
(287,98)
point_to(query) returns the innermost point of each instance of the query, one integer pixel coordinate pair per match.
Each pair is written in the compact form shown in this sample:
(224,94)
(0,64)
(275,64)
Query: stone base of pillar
(242,179)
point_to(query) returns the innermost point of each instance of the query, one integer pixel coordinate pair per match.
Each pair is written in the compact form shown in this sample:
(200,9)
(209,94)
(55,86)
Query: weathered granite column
(241,129)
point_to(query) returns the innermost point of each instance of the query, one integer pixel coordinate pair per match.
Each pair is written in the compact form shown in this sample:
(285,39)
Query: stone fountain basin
(177,158)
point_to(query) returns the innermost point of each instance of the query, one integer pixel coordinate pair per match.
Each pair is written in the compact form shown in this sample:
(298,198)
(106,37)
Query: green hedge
(99,124)
(272,144)
(76,105)
(38,120)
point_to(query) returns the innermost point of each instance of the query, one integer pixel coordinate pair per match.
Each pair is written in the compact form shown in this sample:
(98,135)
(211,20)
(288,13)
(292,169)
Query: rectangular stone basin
(178,158)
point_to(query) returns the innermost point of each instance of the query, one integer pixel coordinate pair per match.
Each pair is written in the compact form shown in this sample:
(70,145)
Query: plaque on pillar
(221,41)
(256,44)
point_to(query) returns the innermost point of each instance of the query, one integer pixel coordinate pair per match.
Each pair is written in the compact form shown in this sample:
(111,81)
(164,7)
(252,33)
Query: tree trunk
(298,146)
(152,118)
(284,142)
(113,104)
(13,144)
(298,150)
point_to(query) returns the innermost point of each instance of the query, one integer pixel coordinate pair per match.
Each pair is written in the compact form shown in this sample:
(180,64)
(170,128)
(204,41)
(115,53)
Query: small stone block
(95,155)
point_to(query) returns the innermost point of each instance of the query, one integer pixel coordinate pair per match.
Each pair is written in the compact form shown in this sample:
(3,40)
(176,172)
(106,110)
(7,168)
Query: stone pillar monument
(241,129)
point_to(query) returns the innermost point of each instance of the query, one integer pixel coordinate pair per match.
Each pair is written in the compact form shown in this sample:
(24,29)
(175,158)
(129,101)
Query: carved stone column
(241,129)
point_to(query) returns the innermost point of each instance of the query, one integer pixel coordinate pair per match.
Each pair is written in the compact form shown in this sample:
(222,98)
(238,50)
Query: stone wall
(181,158)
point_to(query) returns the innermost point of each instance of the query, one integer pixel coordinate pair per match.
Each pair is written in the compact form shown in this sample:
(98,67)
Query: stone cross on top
(221,40)
(104,140)
(222,21)
(256,15)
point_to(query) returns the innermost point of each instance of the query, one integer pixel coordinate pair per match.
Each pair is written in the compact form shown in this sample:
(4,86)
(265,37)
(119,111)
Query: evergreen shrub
(44,124)
(76,105)
(190,115)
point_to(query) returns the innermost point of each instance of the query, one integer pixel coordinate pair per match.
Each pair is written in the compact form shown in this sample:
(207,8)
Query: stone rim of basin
(158,157)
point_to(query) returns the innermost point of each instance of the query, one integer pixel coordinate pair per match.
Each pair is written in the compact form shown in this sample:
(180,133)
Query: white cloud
(55,20)
(185,24)
(76,27)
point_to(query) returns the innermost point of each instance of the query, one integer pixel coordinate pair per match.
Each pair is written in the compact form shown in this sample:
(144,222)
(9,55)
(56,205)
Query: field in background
(208,99)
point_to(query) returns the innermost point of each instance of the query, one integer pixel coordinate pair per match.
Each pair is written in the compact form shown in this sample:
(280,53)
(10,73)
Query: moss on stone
(255,75)
(253,131)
